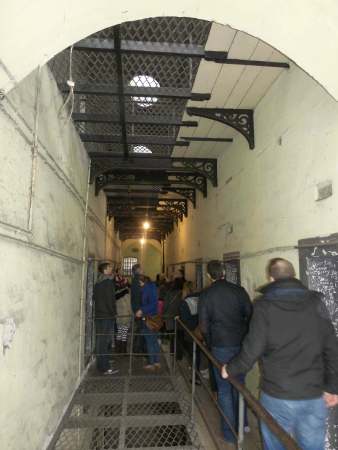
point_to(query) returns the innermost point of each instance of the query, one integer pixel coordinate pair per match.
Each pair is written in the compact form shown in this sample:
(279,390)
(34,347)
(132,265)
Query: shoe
(111,372)
(149,367)
(157,366)
(247,429)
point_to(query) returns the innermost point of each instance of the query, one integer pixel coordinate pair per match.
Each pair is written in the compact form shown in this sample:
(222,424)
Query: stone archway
(34,32)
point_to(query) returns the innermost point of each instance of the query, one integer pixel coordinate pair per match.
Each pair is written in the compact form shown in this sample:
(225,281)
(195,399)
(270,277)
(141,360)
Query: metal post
(193,379)
(241,409)
(131,347)
(175,345)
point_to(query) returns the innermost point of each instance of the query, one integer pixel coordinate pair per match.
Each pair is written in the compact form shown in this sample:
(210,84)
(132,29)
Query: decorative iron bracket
(196,181)
(188,193)
(241,120)
(204,166)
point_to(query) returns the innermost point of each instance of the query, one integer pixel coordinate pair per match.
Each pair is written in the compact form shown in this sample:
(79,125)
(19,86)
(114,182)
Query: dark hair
(215,269)
(135,268)
(177,284)
(280,268)
(103,266)
(146,279)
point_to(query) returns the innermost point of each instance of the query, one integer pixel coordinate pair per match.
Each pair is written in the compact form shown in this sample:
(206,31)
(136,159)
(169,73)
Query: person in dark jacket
(105,312)
(224,313)
(293,337)
(135,289)
(149,309)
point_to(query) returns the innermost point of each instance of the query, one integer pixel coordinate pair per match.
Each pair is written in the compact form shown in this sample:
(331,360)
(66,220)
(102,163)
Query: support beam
(107,162)
(205,139)
(132,140)
(151,48)
(135,91)
(241,120)
(119,69)
(171,49)
(137,120)
(188,193)
(157,180)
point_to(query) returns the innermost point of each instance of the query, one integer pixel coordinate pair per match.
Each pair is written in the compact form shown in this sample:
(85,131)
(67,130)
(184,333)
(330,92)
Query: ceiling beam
(120,83)
(151,48)
(139,119)
(171,49)
(205,139)
(161,181)
(206,167)
(135,91)
(132,140)
(188,193)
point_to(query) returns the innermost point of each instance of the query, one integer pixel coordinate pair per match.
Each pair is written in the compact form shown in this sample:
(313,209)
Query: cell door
(232,267)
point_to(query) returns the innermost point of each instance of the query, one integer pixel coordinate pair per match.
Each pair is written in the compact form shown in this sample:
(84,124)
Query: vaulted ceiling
(155,102)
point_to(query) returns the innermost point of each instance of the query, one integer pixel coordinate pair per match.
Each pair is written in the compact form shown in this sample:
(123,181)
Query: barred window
(128,264)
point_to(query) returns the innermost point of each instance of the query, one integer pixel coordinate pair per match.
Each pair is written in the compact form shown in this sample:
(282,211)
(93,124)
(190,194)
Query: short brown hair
(103,266)
(280,268)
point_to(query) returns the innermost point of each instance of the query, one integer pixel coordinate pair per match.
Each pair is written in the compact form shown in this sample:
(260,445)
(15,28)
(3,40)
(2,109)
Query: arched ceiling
(34,31)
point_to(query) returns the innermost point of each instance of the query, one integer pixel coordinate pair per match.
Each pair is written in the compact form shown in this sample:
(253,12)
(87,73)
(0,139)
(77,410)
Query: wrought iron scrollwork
(188,193)
(196,181)
(105,179)
(204,166)
(240,119)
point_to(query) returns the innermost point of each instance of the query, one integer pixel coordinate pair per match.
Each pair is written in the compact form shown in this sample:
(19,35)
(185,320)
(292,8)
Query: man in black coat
(224,312)
(293,337)
(105,312)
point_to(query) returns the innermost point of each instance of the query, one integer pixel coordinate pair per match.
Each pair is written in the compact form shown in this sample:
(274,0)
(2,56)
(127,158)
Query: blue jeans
(153,347)
(227,394)
(305,420)
(104,330)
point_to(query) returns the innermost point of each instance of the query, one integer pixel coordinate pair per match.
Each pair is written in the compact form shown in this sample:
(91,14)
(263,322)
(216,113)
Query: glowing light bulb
(146,225)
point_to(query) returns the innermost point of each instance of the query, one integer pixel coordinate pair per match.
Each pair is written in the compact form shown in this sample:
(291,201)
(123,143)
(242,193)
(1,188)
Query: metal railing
(244,395)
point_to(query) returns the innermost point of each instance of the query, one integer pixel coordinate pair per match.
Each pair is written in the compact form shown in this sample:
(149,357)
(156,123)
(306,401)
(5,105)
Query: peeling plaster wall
(268,195)
(42,224)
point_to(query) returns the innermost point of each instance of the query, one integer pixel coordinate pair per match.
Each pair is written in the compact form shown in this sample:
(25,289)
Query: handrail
(257,408)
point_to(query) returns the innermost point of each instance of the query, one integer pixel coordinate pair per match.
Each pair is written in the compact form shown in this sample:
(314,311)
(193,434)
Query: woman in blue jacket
(149,308)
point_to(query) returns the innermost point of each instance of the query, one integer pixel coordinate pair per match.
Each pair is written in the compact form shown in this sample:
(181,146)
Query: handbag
(154,323)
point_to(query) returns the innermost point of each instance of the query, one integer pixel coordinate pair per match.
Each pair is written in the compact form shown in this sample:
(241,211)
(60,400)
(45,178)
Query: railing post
(193,382)
(175,347)
(241,411)
(131,347)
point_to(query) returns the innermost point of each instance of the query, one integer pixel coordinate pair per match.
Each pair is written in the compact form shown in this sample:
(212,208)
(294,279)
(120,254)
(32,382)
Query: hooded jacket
(104,297)
(291,333)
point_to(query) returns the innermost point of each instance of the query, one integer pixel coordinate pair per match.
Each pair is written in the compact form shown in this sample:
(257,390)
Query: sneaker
(157,366)
(247,429)
(111,372)
(149,367)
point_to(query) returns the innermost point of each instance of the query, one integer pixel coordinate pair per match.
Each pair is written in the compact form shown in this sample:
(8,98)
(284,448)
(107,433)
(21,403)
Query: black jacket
(224,311)
(292,334)
(135,293)
(104,298)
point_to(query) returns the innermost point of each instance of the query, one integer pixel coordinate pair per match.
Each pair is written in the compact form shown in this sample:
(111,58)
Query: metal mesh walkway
(129,412)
